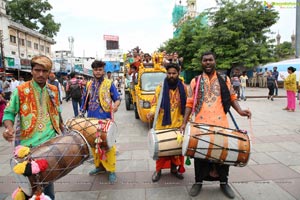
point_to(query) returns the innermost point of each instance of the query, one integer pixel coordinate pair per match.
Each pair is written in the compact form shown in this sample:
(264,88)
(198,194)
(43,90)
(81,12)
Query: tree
(284,50)
(34,15)
(237,33)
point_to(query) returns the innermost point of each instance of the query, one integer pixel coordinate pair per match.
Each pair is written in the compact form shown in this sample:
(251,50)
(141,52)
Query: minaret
(293,38)
(278,38)
(2,7)
(192,7)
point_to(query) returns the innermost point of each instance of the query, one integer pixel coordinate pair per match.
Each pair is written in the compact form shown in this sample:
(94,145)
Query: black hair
(172,65)
(98,63)
(293,69)
(208,53)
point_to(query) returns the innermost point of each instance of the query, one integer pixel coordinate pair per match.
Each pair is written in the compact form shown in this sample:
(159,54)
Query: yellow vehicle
(149,77)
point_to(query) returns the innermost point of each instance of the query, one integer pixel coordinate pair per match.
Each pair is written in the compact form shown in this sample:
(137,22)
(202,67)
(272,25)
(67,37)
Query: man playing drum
(171,108)
(214,97)
(101,99)
(37,103)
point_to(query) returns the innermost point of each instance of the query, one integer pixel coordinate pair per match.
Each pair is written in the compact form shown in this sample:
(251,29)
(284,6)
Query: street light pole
(2,52)
(297,29)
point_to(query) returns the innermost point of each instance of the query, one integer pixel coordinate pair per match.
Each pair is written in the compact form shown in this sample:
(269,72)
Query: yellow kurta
(176,116)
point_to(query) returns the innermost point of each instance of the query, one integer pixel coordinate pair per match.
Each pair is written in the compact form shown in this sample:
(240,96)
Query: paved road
(273,171)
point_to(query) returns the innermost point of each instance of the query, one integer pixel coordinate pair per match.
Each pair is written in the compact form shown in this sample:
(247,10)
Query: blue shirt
(93,106)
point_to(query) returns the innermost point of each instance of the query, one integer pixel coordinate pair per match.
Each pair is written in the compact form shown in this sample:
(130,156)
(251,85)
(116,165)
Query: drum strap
(196,94)
(157,107)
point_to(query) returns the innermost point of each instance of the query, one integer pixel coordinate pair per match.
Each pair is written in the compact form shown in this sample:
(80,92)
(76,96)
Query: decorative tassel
(28,171)
(43,164)
(181,169)
(40,197)
(188,161)
(35,167)
(18,194)
(17,148)
(21,151)
(20,167)
(179,139)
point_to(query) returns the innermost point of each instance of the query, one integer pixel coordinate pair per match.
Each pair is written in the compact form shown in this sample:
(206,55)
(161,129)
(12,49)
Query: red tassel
(181,169)
(43,164)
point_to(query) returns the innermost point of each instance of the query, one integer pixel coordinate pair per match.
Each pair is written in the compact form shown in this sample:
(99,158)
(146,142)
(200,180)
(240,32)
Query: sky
(143,23)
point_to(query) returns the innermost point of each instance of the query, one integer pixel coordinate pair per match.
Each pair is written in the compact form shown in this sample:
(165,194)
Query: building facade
(20,43)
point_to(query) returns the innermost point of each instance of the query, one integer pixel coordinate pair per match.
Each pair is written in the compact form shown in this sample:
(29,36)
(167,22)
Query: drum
(63,154)
(88,128)
(163,143)
(217,144)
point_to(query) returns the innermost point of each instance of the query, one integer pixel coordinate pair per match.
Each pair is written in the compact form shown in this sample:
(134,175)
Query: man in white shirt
(14,83)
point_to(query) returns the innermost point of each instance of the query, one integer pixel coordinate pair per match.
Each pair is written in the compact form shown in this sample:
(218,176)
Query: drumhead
(186,138)
(152,144)
(112,134)
(22,181)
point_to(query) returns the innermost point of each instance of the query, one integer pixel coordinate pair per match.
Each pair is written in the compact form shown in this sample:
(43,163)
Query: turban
(42,60)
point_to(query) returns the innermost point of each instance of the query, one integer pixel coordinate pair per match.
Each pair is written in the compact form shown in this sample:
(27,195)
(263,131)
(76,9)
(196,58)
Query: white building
(20,43)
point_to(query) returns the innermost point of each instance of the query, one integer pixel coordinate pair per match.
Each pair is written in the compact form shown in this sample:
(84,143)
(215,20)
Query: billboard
(112,42)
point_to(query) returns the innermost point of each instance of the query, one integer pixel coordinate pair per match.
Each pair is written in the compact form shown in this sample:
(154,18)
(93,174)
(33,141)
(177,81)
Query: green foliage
(33,14)
(284,50)
(237,33)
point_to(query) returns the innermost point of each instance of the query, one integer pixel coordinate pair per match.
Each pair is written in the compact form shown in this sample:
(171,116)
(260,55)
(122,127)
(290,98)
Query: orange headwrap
(42,60)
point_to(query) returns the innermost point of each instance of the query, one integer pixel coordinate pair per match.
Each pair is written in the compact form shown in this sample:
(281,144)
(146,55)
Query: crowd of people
(207,98)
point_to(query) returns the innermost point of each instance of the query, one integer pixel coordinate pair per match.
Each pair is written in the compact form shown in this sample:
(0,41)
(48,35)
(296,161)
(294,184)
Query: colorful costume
(39,118)
(98,97)
(209,109)
(176,119)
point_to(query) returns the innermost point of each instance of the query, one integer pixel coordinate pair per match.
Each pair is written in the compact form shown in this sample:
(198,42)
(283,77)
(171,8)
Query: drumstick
(251,130)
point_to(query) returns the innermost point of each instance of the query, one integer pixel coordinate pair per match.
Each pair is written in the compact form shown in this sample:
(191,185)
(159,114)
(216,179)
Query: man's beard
(172,82)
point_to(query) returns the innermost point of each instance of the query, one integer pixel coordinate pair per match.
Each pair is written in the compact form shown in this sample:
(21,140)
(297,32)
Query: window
(13,39)
(13,53)
(36,46)
(47,50)
(21,41)
(22,54)
(42,48)
(29,44)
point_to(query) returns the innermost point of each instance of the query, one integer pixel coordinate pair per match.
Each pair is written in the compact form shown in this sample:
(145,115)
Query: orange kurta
(212,111)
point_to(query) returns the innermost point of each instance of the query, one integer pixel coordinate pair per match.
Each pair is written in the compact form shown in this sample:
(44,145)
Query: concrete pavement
(273,171)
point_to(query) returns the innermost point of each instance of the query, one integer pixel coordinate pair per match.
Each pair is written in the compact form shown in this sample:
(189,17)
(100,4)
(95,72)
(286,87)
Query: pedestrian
(38,100)
(290,85)
(108,74)
(53,81)
(236,83)
(6,88)
(244,80)
(299,91)
(275,74)
(271,84)
(100,100)
(74,91)
(254,78)
(214,98)
(171,108)
(3,102)
(14,84)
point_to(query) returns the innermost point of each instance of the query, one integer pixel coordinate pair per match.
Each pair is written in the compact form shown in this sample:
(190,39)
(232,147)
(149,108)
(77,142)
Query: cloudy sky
(143,23)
